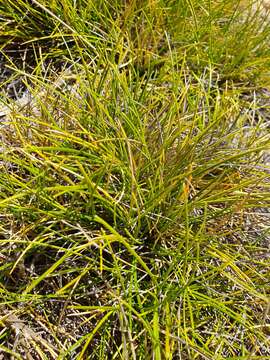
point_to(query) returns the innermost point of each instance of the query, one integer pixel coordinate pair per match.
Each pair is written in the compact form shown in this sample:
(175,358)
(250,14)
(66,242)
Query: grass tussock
(134,187)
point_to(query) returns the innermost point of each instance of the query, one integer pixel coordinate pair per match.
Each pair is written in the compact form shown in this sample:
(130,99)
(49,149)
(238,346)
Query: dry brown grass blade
(24,333)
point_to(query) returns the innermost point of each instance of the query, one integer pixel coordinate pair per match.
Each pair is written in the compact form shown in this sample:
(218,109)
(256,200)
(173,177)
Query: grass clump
(134,182)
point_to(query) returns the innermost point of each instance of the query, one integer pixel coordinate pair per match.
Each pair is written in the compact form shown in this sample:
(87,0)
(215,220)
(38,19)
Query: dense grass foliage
(134,158)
